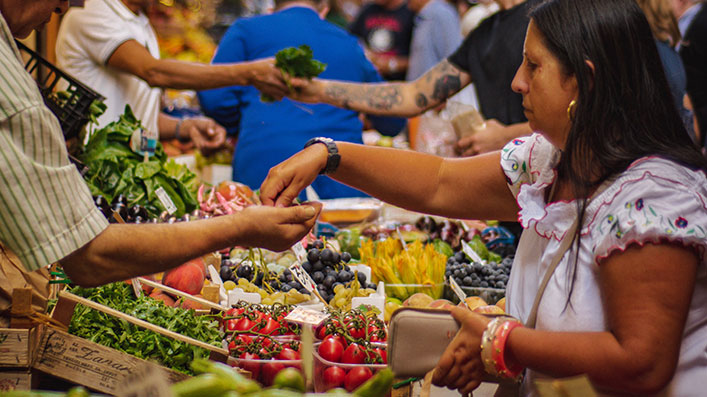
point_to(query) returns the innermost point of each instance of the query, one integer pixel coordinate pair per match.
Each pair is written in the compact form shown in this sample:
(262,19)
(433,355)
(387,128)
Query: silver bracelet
(177,130)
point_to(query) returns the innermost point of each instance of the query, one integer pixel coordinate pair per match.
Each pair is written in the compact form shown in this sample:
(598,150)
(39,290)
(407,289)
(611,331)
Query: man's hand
(268,79)
(204,132)
(460,366)
(286,180)
(273,228)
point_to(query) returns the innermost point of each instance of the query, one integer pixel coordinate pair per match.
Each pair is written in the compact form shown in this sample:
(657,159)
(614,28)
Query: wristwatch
(333,157)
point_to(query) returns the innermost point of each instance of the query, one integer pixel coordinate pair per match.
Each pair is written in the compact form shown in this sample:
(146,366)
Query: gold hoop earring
(570,110)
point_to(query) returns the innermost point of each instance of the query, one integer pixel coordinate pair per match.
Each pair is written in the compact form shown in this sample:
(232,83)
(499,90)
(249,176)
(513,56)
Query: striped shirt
(46,209)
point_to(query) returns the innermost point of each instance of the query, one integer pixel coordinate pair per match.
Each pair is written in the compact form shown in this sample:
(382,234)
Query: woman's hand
(460,366)
(276,229)
(286,180)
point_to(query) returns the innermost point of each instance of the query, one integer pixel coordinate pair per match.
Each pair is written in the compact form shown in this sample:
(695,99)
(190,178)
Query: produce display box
(16,347)
(95,366)
(17,380)
(89,364)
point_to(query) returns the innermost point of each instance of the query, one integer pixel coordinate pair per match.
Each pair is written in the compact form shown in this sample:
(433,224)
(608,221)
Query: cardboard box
(16,347)
(89,364)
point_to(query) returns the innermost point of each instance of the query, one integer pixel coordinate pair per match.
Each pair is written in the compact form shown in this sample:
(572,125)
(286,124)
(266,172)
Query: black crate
(72,111)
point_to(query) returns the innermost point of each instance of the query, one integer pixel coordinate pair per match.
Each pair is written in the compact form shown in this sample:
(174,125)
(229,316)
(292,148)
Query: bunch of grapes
(130,214)
(329,269)
(477,275)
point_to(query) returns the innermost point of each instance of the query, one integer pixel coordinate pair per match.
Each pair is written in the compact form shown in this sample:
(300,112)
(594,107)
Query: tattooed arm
(405,99)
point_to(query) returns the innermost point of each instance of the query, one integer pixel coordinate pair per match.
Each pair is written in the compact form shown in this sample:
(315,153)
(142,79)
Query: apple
(475,301)
(488,309)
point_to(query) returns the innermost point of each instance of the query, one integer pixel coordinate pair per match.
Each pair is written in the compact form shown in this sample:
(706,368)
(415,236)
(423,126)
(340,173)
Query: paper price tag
(466,248)
(144,142)
(137,287)
(457,290)
(302,277)
(301,315)
(165,200)
(144,381)
(300,252)
(402,240)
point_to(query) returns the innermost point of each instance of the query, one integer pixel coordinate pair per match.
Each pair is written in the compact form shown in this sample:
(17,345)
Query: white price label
(144,381)
(165,200)
(300,252)
(466,248)
(457,290)
(302,277)
(306,316)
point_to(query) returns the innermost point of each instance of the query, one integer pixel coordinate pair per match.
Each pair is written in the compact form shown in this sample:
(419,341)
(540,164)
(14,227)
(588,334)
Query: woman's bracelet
(493,345)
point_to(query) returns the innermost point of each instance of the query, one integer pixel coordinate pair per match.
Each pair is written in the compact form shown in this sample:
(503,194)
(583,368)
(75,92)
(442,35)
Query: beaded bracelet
(177,132)
(493,343)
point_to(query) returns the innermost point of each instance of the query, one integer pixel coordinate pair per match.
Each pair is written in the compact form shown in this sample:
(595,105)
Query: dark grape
(327,256)
(346,257)
(226,273)
(319,244)
(329,281)
(313,255)
(318,266)
(318,277)
(361,278)
(307,267)
(285,287)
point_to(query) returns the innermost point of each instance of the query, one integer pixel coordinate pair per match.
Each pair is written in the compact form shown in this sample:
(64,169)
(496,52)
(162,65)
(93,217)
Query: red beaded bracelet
(499,349)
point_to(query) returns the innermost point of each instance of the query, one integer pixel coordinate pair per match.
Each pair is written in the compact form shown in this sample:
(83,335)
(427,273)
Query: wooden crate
(16,347)
(16,380)
(89,364)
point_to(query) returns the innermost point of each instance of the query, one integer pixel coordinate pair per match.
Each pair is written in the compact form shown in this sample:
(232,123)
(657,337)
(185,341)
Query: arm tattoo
(421,101)
(446,86)
(377,96)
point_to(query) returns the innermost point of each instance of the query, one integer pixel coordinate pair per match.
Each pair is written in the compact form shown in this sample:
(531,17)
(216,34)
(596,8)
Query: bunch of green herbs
(118,334)
(113,169)
(296,62)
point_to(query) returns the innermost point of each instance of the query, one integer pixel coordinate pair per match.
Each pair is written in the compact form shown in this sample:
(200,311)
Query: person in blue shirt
(270,132)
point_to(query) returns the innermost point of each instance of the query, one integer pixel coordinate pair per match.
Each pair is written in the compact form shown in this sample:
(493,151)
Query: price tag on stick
(303,278)
(299,251)
(471,253)
(458,291)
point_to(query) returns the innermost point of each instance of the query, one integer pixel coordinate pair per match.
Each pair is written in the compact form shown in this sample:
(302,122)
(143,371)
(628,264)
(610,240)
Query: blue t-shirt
(269,133)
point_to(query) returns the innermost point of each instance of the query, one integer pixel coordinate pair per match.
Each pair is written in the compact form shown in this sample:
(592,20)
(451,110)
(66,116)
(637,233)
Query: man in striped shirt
(47,212)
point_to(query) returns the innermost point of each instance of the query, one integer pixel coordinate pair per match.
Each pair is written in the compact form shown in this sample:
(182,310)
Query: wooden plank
(89,364)
(16,380)
(21,307)
(183,294)
(216,351)
(16,347)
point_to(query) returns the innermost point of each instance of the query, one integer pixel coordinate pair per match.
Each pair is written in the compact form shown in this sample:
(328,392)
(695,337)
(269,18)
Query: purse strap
(565,244)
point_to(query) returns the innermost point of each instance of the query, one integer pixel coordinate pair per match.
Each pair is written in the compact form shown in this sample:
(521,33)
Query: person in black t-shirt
(488,57)
(385,26)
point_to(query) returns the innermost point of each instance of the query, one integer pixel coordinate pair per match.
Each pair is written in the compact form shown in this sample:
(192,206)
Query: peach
(488,309)
(188,277)
(475,301)
(418,300)
(440,304)
(161,296)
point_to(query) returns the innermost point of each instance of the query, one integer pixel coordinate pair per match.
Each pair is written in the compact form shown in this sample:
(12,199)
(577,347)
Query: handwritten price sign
(457,290)
(303,278)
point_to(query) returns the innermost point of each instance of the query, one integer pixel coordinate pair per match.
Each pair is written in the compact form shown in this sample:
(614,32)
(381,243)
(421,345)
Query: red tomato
(270,328)
(265,342)
(231,324)
(252,367)
(244,324)
(337,338)
(377,356)
(288,354)
(331,350)
(356,377)
(354,354)
(268,372)
(239,343)
(356,332)
(333,377)
(321,332)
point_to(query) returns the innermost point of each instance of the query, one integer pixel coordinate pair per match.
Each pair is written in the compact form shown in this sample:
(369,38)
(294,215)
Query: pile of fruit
(478,275)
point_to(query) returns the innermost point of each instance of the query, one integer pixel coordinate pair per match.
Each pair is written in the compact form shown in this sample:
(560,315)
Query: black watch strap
(333,158)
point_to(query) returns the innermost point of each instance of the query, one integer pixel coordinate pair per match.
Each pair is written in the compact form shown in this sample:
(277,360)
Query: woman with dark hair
(610,276)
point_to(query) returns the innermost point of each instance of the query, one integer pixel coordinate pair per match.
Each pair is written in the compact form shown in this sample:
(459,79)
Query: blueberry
(459,256)
(457,273)
(484,284)
(467,281)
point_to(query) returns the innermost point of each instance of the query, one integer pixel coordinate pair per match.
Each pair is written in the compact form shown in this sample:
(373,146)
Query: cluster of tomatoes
(352,350)
(261,341)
